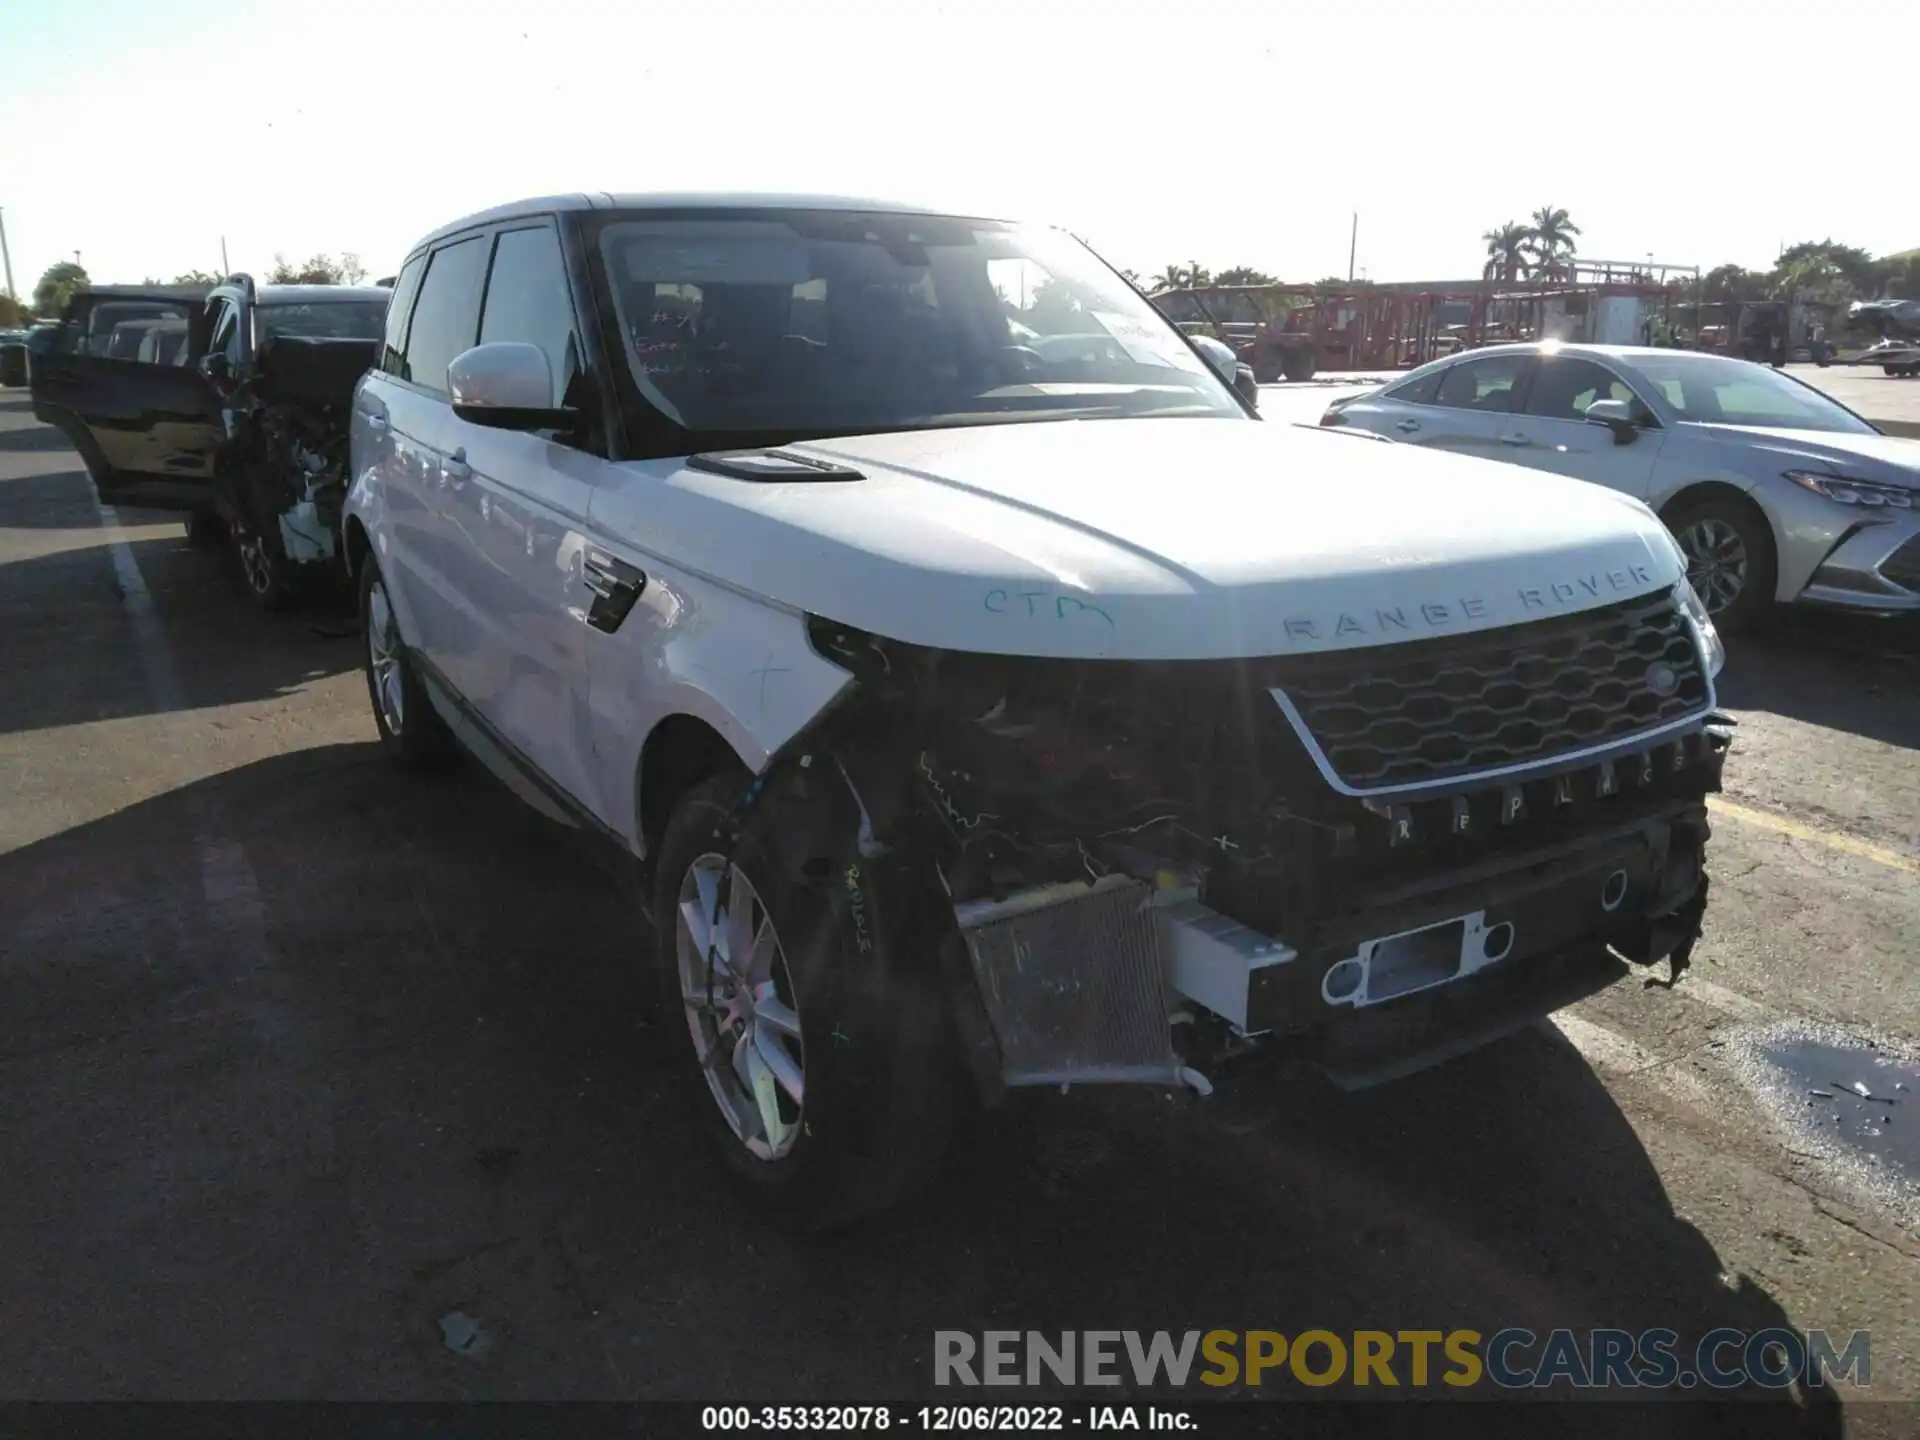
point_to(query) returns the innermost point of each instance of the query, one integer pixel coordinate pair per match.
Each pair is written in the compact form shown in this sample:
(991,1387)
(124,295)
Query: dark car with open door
(227,402)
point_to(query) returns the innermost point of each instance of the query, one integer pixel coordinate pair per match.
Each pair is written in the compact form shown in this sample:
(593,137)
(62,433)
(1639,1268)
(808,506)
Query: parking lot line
(1781,825)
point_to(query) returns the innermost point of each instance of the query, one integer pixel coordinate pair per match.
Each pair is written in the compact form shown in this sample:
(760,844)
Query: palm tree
(1192,275)
(1550,240)
(1506,252)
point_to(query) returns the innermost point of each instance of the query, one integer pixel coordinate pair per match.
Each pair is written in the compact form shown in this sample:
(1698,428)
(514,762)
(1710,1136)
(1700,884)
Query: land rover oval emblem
(1662,678)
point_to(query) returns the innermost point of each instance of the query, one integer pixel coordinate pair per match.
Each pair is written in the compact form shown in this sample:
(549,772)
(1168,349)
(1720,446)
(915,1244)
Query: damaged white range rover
(992,699)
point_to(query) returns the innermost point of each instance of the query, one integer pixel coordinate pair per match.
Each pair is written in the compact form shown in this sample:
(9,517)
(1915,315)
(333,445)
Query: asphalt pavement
(321,1082)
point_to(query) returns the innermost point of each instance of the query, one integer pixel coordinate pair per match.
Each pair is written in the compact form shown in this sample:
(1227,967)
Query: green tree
(56,287)
(1132,277)
(196,277)
(320,269)
(1507,249)
(1190,276)
(1726,283)
(1899,275)
(1811,277)
(1550,241)
(1850,263)
(1243,275)
(13,314)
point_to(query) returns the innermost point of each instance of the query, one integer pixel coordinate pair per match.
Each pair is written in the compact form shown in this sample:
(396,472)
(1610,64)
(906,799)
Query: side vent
(770,466)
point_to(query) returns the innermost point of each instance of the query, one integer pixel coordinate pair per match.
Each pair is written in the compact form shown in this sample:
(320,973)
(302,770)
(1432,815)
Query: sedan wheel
(1717,561)
(742,1012)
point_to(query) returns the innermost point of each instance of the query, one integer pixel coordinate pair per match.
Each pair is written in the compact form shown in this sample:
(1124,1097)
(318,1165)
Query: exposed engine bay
(289,474)
(1158,868)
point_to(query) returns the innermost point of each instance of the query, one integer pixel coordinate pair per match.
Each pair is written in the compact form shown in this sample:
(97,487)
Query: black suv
(228,402)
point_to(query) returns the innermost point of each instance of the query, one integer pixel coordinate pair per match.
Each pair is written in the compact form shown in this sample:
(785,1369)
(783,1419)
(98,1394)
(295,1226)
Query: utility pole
(225,270)
(1353,246)
(6,256)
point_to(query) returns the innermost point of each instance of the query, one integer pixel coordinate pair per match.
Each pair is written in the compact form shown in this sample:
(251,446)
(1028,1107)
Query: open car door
(120,377)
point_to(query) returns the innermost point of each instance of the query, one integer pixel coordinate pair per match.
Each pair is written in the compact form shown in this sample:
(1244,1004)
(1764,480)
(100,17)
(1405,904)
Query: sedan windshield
(817,322)
(324,320)
(1720,391)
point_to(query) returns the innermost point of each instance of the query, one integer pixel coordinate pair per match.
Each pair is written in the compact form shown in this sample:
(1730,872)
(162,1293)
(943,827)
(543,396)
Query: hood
(1163,539)
(1890,459)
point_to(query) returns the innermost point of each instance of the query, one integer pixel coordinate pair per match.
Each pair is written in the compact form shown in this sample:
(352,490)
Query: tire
(1893,370)
(204,531)
(1725,541)
(1267,366)
(871,1054)
(411,730)
(1297,365)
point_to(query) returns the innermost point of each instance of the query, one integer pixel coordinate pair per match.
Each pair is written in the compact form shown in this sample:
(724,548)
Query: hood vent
(771,466)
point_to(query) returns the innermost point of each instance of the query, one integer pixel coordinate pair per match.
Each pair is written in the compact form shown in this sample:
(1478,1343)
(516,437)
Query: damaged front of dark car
(284,360)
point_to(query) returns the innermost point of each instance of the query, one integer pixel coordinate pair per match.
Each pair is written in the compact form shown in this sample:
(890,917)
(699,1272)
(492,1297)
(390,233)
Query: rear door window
(528,301)
(447,318)
(1420,390)
(1563,388)
(137,331)
(1487,385)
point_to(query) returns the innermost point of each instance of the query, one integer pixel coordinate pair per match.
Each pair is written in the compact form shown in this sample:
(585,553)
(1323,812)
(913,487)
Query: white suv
(996,710)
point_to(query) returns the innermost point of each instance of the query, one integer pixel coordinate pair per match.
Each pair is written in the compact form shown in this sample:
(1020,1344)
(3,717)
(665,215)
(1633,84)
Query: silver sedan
(1775,492)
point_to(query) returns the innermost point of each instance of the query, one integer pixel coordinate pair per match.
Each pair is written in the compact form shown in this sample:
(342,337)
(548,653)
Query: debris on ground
(464,1335)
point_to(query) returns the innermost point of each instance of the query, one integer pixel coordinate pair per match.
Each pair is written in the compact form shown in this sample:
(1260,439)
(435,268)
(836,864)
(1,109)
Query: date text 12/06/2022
(935,1419)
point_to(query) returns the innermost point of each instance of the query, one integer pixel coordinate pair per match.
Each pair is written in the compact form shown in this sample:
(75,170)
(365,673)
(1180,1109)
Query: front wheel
(1297,365)
(824,1087)
(1730,560)
(264,568)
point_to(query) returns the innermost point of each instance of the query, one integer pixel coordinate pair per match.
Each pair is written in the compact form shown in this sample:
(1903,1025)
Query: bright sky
(141,131)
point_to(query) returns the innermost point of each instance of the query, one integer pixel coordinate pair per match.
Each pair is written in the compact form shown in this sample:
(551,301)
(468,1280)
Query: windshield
(1736,392)
(830,323)
(324,319)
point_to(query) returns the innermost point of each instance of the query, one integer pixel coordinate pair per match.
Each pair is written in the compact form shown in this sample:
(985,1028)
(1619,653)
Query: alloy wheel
(256,566)
(383,654)
(1716,562)
(742,1011)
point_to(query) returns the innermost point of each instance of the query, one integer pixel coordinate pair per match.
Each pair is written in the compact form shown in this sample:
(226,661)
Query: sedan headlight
(1841,490)
(1710,643)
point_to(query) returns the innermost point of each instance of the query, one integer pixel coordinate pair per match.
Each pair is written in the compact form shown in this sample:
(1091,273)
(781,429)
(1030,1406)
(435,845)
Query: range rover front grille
(1423,713)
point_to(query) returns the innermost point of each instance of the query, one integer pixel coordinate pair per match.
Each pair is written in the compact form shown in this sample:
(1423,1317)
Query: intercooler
(1074,983)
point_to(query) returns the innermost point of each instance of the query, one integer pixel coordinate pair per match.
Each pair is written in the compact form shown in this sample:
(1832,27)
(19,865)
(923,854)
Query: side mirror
(1218,354)
(1248,386)
(507,385)
(216,367)
(1617,416)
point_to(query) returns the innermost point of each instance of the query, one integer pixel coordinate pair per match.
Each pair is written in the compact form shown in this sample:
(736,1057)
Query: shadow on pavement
(29,439)
(68,625)
(54,499)
(302,1058)
(1834,671)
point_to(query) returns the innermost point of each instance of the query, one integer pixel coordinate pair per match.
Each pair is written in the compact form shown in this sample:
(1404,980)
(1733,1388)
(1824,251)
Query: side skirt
(504,759)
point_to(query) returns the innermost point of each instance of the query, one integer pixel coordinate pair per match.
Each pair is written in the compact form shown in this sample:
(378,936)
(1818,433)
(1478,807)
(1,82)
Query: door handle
(1515,440)
(375,423)
(1407,427)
